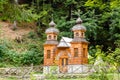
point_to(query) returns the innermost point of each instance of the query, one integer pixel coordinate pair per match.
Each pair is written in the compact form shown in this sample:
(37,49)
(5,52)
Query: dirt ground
(6,31)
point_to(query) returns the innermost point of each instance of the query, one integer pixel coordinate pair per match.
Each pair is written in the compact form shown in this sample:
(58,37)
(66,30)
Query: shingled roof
(80,40)
(55,42)
(78,25)
(65,42)
(52,28)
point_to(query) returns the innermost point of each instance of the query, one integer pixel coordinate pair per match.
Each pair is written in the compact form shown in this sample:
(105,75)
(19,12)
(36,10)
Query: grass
(10,78)
(111,76)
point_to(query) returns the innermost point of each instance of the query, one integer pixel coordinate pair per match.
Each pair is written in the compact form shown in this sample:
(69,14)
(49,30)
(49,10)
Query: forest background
(100,17)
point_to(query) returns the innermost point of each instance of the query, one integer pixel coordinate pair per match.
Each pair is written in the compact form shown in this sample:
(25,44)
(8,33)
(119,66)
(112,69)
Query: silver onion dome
(52,28)
(78,25)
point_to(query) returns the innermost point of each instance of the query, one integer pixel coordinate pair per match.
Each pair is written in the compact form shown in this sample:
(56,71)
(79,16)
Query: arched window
(49,37)
(54,37)
(84,53)
(48,54)
(75,52)
(76,34)
(82,34)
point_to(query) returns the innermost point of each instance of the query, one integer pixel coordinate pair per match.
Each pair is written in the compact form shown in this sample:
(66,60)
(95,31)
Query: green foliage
(114,3)
(101,76)
(18,12)
(95,53)
(2,3)
(31,57)
(64,27)
(32,35)
(94,3)
(31,76)
(12,57)
(116,55)
(3,50)
(100,17)
(51,76)
(16,54)
(114,58)
(117,42)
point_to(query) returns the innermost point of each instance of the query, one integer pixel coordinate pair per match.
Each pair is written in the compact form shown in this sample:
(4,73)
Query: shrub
(32,35)
(3,50)
(20,13)
(13,57)
(31,57)
(22,54)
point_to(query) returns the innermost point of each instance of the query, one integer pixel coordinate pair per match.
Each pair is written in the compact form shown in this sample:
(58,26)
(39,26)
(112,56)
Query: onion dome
(78,25)
(52,28)
(52,24)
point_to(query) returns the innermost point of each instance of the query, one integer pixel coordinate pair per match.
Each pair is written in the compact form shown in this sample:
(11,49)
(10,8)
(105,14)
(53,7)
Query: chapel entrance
(63,65)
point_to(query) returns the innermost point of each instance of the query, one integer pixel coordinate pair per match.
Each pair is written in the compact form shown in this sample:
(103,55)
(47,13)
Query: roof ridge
(65,42)
(66,37)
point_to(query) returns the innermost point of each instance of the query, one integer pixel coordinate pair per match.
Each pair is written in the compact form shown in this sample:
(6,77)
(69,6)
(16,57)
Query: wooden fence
(20,72)
(24,73)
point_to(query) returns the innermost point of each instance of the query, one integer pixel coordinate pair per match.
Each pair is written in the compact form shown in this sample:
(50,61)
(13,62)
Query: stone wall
(71,69)
(50,69)
(77,68)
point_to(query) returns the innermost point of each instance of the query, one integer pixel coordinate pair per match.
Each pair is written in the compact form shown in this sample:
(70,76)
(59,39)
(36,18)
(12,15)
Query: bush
(3,50)
(32,35)
(31,57)
(16,54)
(13,57)
(93,76)
(20,13)
(33,54)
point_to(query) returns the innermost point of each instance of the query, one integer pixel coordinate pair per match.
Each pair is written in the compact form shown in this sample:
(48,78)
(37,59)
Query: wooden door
(63,65)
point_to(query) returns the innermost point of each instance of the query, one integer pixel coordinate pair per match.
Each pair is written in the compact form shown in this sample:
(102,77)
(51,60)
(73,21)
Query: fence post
(32,67)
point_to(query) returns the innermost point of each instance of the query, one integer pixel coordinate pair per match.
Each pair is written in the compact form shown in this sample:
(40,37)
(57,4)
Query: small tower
(79,30)
(52,32)
(50,46)
(79,45)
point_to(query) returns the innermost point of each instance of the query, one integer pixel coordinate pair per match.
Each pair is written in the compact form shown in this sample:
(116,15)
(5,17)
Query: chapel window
(82,34)
(48,54)
(75,52)
(49,36)
(84,52)
(77,34)
(54,37)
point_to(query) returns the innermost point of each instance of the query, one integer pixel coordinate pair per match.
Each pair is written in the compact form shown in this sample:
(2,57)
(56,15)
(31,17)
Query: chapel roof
(80,40)
(51,42)
(78,25)
(65,42)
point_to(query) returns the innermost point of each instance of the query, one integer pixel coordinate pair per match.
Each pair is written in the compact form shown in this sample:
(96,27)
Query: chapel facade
(69,55)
